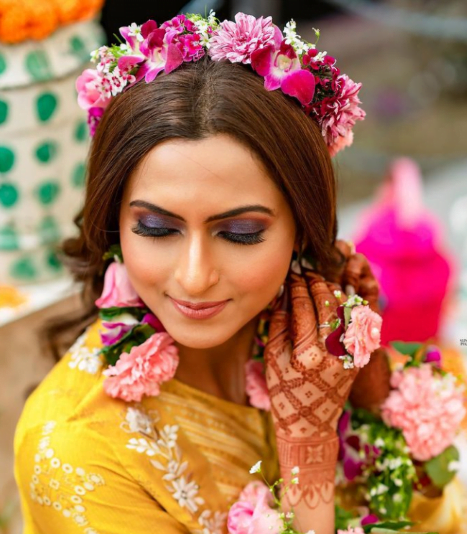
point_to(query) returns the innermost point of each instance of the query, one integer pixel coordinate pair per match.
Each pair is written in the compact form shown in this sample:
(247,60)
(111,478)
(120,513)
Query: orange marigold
(32,19)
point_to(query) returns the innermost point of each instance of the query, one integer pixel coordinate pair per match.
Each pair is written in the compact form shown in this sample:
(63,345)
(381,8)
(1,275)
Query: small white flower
(398,482)
(294,480)
(338,294)
(135,31)
(295,470)
(379,442)
(256,468)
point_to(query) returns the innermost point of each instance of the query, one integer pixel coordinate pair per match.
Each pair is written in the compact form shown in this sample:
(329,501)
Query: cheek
(145,267)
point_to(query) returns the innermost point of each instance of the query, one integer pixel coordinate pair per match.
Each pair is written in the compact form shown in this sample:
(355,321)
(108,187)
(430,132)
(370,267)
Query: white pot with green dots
(43,147)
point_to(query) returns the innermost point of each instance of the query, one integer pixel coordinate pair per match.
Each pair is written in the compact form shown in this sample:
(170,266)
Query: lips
(199,310)
(199,305)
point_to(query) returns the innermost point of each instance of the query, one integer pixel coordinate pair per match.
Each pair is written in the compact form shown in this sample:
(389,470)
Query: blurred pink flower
(363,334)
(256,387)
(236,41)
(254,491)
(118,291)
(248,518)
(141,371)
(427,407)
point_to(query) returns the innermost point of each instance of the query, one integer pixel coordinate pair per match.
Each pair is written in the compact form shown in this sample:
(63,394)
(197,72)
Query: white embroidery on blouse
(163,445)
(83,358)
(213,523)
(60,485)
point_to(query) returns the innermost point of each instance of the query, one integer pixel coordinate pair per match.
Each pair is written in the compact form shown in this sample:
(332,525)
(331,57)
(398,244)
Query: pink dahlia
(236,41)
(142,371)
(363,335)
(427,407)
(337,114)
(256,387)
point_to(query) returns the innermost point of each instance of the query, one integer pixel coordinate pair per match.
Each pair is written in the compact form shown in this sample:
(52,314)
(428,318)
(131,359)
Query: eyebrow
(230,213)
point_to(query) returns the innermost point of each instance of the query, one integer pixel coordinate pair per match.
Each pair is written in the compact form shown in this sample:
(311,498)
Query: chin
(197,341)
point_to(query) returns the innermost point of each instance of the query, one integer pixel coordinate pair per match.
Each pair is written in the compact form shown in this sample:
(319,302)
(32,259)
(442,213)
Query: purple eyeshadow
(241,226)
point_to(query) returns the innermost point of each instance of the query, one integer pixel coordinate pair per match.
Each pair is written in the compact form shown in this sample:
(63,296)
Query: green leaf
(438,467)
(114,250)
(135,337)
(109,314)
(408,349)
(347,315)
(392,526)
(342,517)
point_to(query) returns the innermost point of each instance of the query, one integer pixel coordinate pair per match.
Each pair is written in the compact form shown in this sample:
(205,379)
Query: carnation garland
(283,59)
(382,460)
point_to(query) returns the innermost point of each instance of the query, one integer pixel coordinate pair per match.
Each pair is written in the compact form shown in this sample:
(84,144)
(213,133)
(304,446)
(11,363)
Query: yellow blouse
(87,463)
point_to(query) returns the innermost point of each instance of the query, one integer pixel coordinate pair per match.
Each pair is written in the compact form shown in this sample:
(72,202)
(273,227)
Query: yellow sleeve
(70,480)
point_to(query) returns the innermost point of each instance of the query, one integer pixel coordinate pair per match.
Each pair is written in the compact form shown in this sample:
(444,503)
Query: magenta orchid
(284,60)
(281,68)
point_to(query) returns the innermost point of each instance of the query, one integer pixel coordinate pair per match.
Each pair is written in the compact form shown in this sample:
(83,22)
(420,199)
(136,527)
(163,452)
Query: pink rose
(254,491)
(427,407)
(256,387)
(118,291)
(363,334)
(143,370)
(88,87)
(246,518)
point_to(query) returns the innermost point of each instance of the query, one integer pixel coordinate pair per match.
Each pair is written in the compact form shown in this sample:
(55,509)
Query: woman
(215,188)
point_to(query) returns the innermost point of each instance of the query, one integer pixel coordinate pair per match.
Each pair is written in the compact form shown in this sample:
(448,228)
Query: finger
(346,248)
(358,274)
(325,296)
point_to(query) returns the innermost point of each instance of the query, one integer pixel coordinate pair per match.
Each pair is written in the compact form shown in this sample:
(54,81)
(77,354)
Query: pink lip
(199,310)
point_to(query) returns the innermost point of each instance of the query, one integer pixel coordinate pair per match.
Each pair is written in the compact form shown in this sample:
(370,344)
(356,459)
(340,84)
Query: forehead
(216,172)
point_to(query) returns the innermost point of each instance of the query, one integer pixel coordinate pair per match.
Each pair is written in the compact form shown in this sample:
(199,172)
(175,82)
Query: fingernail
(349,289)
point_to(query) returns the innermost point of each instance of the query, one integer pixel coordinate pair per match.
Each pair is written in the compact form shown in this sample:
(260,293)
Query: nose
(195,271)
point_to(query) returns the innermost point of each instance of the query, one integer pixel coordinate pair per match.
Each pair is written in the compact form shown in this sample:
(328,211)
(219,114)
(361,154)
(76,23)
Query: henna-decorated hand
(308,386)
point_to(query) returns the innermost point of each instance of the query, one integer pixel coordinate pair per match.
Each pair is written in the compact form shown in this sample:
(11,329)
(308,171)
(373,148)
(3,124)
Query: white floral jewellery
(283,59)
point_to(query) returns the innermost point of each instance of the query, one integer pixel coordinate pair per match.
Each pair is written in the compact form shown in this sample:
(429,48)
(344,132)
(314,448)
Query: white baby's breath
(256,468)
(295,470)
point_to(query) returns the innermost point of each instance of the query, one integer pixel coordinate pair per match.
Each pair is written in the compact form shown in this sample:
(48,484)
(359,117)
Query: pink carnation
(256,387)
(338,114)
(90,95)
(118,290)
(236,41)
(427,407)
(363,334)
(143,370)
(248,518)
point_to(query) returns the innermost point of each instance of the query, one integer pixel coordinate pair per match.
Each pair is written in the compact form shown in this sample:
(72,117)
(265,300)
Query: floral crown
(283,59)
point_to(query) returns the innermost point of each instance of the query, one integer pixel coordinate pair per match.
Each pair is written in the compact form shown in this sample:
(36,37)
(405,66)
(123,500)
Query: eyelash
(239,239)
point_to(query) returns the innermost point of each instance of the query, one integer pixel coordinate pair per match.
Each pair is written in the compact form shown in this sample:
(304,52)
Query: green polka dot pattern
(48,192)
(47,151)
(49,230)
(3,111)
(81,131)
(8,238)
(53,262)
(46,106)
(7,159)
(23,269)
(78,177)
(9,195)
(37,64)
(2,64)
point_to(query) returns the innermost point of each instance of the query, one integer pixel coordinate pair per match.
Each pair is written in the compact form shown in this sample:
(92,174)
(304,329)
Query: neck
(219,371)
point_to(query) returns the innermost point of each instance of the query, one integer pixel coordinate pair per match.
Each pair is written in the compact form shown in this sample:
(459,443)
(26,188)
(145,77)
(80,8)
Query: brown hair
(195,101)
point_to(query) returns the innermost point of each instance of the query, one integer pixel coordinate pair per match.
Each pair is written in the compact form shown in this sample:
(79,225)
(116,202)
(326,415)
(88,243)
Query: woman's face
(202,224)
